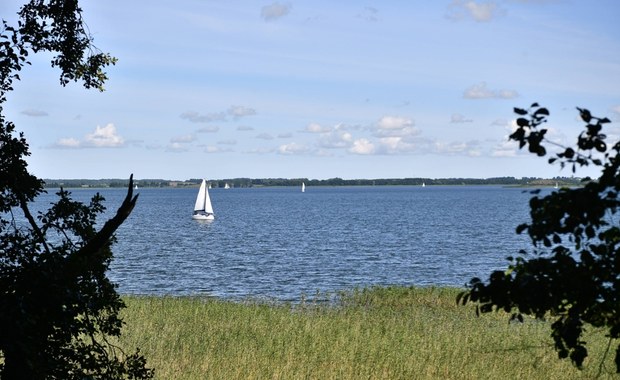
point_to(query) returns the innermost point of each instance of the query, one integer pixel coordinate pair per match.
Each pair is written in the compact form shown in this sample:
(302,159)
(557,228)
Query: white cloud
(480,91)
(275,11)
(176,147)
(616,110)
(292,148)
(458,118)
(471,148)
(316,128)
(264,136)
(285,135)
(394,122)
(404,144)
(336,139)
(477,10)
(104,137)
(209,129)
(183,139)
(34,113)
(153,146)
(217,149)
(236,112)
(195,117)
(395,126)
(506,149)
(537,1)
(395,145)
(369,14)
(68,143)
(391,135)
(481,11)
(403,132)
(241,111)
(506,94)
(362,146)
(262,150)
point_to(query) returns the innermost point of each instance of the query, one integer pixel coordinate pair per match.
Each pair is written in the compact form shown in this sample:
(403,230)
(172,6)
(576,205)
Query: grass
(378,333)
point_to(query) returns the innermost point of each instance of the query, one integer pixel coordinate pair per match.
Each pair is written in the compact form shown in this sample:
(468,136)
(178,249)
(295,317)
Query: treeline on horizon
(273,182)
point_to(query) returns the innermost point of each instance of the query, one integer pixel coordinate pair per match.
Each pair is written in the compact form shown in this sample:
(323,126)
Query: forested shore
(269,182)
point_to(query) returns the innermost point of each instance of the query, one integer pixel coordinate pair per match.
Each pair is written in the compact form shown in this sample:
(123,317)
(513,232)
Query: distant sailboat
(135,187)
(203,209)
(556,186)
(423,184)
(303,187)
(226,186)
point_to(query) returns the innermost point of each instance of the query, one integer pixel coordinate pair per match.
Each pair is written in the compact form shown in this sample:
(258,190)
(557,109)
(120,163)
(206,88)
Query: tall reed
(378,333)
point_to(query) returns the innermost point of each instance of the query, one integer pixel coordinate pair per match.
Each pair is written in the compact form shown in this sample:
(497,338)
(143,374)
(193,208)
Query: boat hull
(203,217)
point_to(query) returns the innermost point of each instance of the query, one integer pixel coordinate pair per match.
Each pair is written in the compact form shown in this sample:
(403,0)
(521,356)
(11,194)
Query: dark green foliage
(57,307)
(57,26)
(572,273)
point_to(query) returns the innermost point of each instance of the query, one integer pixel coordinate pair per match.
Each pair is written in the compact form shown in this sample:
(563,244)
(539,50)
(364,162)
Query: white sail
(203,210)
(200,198)
(303,187)
(208,208)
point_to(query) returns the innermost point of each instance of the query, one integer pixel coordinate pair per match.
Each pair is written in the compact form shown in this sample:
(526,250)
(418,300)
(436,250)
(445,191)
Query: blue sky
(321,89)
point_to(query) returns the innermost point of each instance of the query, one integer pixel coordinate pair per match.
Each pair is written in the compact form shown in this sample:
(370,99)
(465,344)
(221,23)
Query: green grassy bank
(382,333)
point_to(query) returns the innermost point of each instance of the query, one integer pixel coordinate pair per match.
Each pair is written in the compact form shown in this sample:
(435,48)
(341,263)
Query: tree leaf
(585,115)
(600,146)
(520,111)
(523,122)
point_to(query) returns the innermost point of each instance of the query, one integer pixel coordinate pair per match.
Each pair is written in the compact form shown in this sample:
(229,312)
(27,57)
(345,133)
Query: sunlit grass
(379,333)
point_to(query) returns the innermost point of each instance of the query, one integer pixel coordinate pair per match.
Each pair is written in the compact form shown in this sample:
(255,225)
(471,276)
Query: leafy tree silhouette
(572,273)
(57,307)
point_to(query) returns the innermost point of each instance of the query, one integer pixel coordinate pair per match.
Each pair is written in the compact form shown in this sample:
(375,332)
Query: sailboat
(203,209)
(226,185)
(303,187)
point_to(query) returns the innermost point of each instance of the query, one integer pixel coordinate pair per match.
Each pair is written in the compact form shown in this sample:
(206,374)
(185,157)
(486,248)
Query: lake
(280,243)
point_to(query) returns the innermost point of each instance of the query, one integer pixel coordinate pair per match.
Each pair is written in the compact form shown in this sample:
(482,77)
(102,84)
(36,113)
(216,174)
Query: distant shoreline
(280,182)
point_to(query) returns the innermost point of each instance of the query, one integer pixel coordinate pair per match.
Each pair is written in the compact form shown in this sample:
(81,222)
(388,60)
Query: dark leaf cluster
(57,27)
(57,307)
(572,271)
(58,310)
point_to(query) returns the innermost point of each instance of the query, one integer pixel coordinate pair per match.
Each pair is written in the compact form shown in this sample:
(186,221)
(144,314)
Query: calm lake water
(280,243)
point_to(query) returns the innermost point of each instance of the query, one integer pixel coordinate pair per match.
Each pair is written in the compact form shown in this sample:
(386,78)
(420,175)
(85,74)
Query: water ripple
(280,243)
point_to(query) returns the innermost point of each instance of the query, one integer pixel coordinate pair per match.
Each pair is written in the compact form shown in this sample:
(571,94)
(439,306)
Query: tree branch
(89,252)
(23,203)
